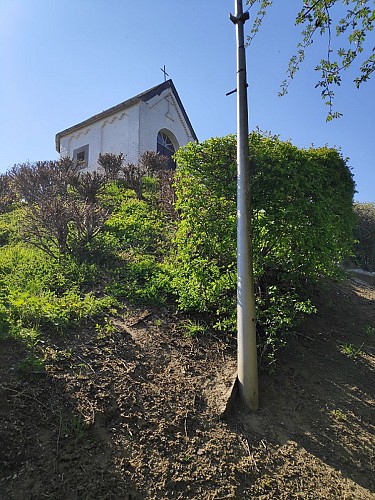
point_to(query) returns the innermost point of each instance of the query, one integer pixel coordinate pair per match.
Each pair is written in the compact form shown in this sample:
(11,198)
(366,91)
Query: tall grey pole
(247,370)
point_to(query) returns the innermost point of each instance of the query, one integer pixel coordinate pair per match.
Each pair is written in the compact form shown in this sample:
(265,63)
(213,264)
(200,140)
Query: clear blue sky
(64,61)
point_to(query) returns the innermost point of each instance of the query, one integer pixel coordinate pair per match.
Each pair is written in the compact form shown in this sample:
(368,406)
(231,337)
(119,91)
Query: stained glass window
(166,148)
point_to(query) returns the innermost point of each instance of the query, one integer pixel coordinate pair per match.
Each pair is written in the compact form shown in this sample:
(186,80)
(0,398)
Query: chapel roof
(142,97)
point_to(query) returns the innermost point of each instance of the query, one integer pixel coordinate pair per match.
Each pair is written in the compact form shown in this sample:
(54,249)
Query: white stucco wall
(162,112)
(131,131)
(118,133)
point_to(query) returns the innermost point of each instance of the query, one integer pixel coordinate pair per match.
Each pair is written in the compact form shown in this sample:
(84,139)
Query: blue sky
(64,61)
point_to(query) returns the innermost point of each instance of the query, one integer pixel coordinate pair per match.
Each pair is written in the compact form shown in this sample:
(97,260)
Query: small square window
(82,155)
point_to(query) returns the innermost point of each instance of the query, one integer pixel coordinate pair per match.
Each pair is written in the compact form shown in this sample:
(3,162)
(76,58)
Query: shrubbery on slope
(302,221)
(74,245)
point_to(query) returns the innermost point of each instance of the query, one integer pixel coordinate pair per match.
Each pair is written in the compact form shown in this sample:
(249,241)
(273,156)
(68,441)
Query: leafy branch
(316,18)
(262,11)
(356,24)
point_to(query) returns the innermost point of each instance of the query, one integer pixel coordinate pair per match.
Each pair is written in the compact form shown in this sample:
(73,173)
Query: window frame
(85,150)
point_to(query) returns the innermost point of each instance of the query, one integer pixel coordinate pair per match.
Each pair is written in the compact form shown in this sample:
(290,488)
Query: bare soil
(134,412)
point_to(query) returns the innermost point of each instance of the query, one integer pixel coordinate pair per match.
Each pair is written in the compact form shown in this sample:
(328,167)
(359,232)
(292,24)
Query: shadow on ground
(320,403)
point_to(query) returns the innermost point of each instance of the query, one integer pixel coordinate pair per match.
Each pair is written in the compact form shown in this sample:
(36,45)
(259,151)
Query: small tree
(111,164)
(152,162)
(158,167)
(43,180)
(149,164)
(46,225)
(44,188)
(133,175)
(88,185)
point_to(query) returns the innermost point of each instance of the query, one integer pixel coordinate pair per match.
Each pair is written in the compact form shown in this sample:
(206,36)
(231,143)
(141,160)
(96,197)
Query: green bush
(9,225)
(136,225)
(302,223)
(364,249)
(143,233)
(24,267)
(38,291)
(140,279)
(47,310)
(27,268)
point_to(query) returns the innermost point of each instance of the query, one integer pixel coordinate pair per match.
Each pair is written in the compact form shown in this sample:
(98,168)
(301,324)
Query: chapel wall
(161,112)
(120,134)
(115,134)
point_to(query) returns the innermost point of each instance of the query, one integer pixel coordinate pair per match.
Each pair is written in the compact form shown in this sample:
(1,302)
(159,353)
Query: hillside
(132,411)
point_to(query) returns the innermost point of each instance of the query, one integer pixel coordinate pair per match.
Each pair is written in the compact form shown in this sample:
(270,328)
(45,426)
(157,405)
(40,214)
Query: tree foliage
(348,22)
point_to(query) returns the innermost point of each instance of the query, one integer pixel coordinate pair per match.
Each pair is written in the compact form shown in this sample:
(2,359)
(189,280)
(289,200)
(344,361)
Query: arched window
(165,147)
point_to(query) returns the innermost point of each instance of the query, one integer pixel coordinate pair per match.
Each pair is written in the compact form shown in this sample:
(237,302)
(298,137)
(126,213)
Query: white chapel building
(154,120)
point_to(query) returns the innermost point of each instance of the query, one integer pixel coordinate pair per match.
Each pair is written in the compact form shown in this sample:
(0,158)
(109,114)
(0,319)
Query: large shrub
(365,235)
(302,224)
(55,213)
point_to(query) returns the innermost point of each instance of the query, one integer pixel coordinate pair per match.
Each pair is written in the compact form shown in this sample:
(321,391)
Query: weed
(29,336)
(82,369)
(192,328)
(31,364)
(266,482)
(339,415)
(351,350)
(369,330)
(54,354)
(107,329)
(73,426)
(65,354)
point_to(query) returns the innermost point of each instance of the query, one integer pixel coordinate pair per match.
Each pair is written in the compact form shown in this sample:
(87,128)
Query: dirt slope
(134,413)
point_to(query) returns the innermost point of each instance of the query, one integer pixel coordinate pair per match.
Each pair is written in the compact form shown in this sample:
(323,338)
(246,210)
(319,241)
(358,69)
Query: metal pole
(247,371)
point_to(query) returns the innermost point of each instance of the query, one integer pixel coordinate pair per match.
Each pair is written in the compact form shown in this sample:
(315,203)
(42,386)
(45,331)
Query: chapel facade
(154,120)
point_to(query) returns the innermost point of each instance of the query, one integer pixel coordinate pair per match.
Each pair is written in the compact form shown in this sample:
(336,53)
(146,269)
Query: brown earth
(133,412)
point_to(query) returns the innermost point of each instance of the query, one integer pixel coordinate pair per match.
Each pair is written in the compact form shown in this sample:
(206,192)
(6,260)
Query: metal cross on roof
(165,73)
